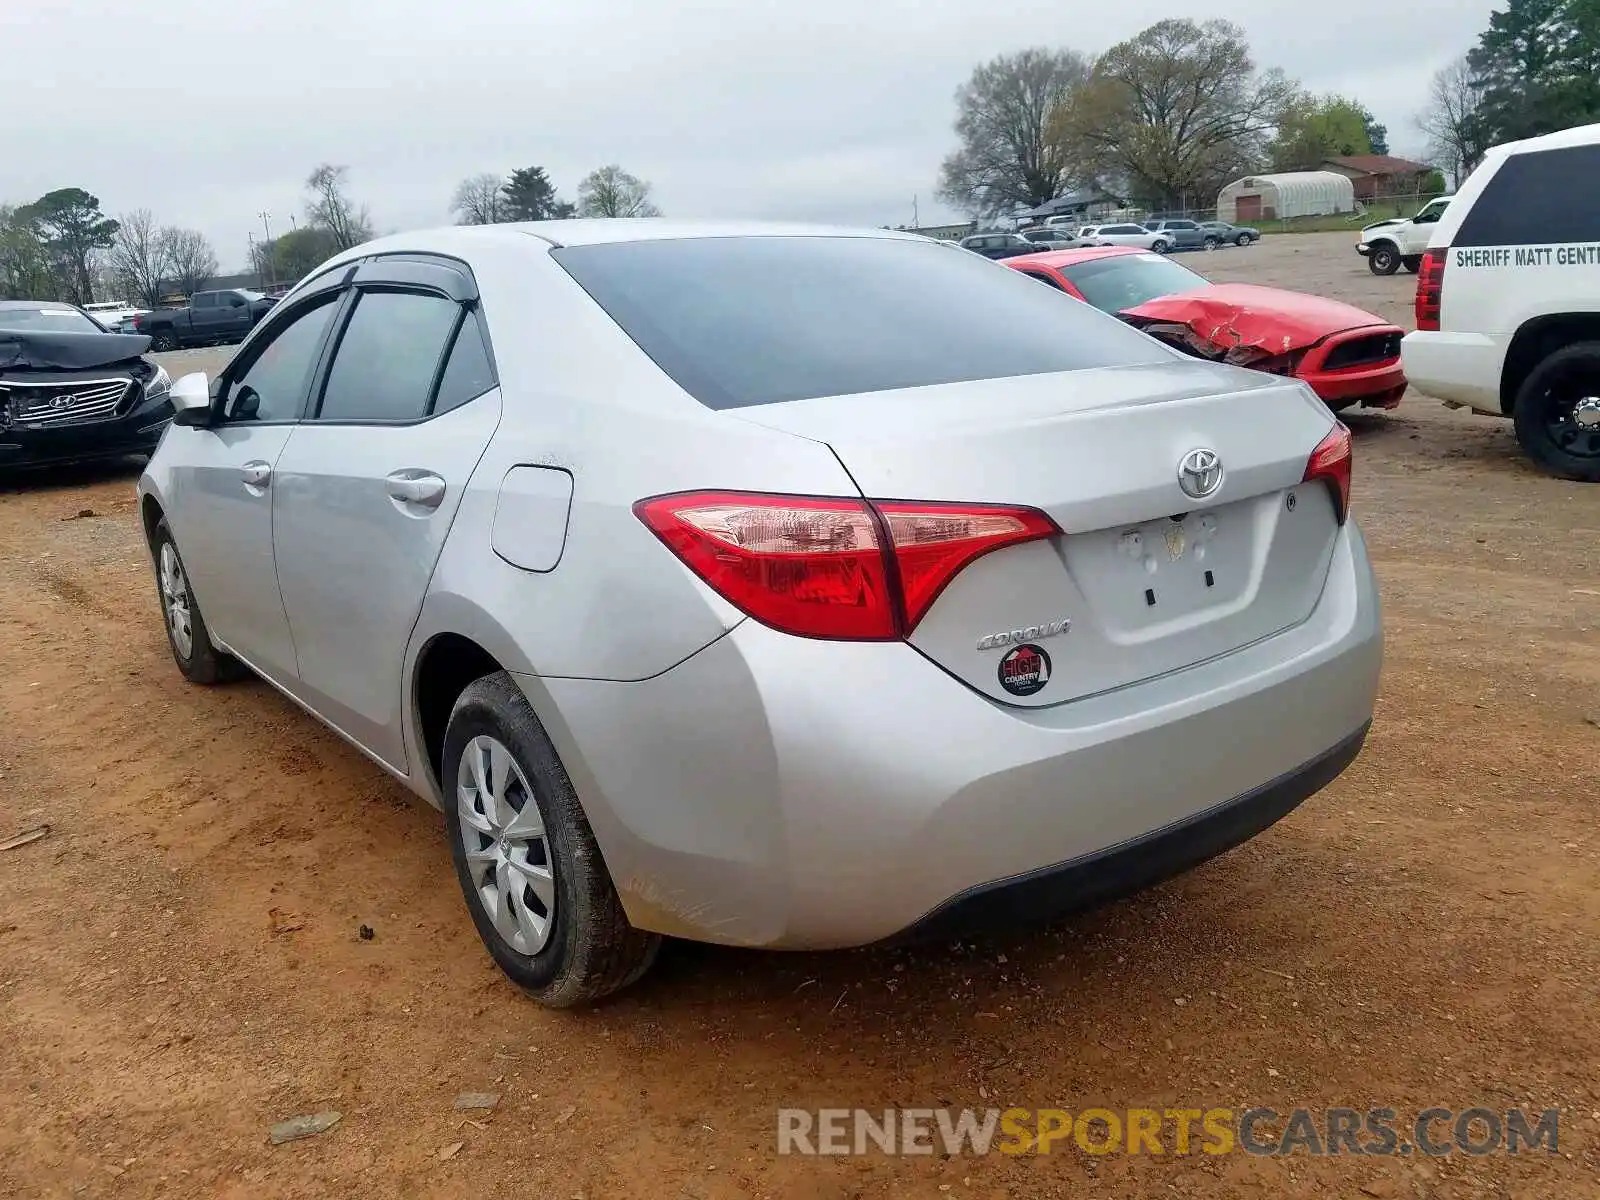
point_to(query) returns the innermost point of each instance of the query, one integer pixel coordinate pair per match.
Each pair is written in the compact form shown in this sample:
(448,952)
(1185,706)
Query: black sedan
(71,391)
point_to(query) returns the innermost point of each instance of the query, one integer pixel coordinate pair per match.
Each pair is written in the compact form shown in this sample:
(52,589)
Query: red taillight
(825,567)
(1330,462)
(1430,287)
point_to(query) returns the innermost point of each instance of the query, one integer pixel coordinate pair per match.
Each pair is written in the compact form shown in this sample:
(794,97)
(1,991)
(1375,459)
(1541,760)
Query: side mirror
(191,400)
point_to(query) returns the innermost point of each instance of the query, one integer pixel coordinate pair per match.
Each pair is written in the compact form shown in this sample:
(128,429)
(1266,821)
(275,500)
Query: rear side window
(469,373)
(1538,198)
(206,300)
(388,357)
(741,321)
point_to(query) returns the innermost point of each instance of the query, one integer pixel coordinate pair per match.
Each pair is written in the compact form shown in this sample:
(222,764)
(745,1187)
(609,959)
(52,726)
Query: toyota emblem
(1200,473)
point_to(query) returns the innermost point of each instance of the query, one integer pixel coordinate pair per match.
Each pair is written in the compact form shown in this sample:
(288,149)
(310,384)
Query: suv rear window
(1538,198)
(739,321)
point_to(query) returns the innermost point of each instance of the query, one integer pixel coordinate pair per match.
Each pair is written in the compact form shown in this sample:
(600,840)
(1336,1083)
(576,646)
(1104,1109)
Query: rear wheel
(1383,259)
(527,860)
(1412,263)
(1557,413)
(1212,243)
(163,340)
(192,649)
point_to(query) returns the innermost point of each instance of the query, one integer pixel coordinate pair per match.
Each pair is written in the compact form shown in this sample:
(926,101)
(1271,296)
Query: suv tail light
(828,567)
(1330,463)
(1430,288)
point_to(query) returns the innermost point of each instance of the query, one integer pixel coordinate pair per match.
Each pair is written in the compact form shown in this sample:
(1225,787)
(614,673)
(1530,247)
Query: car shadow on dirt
(70,476)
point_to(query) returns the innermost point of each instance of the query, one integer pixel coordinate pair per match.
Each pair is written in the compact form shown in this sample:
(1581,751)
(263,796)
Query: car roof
(1071,258)
(598,231)
(35,305)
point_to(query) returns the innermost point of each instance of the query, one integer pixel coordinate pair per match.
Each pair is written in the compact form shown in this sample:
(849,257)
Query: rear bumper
(1461,367)
(775,791)
(1140,863)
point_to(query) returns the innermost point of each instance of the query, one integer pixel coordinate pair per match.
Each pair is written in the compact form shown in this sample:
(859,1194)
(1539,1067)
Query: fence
(1376,208)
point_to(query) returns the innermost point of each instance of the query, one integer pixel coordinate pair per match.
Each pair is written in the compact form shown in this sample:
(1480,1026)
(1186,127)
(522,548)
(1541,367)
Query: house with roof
(1081,205)
(1379,174)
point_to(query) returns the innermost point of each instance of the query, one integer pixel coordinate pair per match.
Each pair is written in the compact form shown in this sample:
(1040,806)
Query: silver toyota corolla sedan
(771,586)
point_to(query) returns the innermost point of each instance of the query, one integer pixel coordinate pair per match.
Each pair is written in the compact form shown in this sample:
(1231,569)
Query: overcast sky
(209,112)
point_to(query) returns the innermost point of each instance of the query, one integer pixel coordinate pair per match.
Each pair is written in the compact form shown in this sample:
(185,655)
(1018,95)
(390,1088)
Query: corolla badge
(1015,637)
(1200,473)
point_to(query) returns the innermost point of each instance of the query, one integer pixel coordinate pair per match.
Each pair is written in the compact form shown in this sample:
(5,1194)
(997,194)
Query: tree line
(528,195)
(1534,70)
(63,247)
(1171,115)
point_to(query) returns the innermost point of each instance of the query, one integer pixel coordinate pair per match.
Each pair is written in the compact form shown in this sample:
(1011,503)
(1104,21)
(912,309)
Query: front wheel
(1159,246)
(1557,413)
(1412,263)
(1383,260)
(187,635)
(535,884)
(1212,243)
(1244,239)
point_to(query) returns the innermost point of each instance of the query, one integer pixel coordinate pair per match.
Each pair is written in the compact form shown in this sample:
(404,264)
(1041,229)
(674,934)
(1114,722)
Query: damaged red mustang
(1347,356)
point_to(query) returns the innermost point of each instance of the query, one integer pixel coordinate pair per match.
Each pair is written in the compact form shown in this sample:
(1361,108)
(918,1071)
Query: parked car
(112,314)
(1400,241)
(71,391)
(212,318)
(675,595)
(1183,235)
(1136,236)
(998,245)
(1508,299)
(1347,356)
(1050,238)
(1239,235)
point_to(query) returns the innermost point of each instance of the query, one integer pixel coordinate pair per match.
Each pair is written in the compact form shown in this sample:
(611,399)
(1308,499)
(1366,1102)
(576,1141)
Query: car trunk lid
(1144,578)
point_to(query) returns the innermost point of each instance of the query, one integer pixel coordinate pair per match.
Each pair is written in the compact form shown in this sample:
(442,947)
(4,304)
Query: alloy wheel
(175,600)
(507,849)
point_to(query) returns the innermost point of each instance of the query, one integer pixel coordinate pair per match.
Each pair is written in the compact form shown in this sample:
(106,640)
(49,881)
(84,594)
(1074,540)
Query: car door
(205,314)
(366,489)
(233,315)
(221,503)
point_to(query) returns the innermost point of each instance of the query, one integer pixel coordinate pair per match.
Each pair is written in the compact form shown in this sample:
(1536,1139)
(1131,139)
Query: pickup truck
(1400,241)
(211,318)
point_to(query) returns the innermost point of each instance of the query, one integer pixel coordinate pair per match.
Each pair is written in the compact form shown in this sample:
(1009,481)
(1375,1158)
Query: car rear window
(740,321)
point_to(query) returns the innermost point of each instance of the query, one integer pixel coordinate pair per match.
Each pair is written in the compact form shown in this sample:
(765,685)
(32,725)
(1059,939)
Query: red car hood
(1243,316)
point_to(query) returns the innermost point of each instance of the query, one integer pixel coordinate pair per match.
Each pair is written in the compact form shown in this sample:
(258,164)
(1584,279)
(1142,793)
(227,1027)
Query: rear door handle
(256,474)
(416,487)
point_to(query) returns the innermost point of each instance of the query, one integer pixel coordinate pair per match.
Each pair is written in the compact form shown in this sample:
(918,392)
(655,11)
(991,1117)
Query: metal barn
(1292,194)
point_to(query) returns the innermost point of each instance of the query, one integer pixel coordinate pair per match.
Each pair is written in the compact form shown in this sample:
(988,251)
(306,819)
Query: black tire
(1545,413)
(1383,259)
(203,663)
(1412,263)
(163,341)
(591,950)
(1244,239)
(1159,246)
(1212,243)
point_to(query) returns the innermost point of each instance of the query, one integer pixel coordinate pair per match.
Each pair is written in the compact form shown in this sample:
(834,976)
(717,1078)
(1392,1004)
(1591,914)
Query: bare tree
(1453,120)
(330,208)
(612,192)
(480,200)
(1003,116)
(1176,111)
(140,257)
(189,257)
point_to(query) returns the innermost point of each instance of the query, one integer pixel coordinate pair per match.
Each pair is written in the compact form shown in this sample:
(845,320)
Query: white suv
(1508,299)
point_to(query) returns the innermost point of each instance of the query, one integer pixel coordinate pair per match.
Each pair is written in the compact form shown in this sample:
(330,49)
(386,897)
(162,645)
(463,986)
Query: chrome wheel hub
(175,600)
(507,850)
(1586,413)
